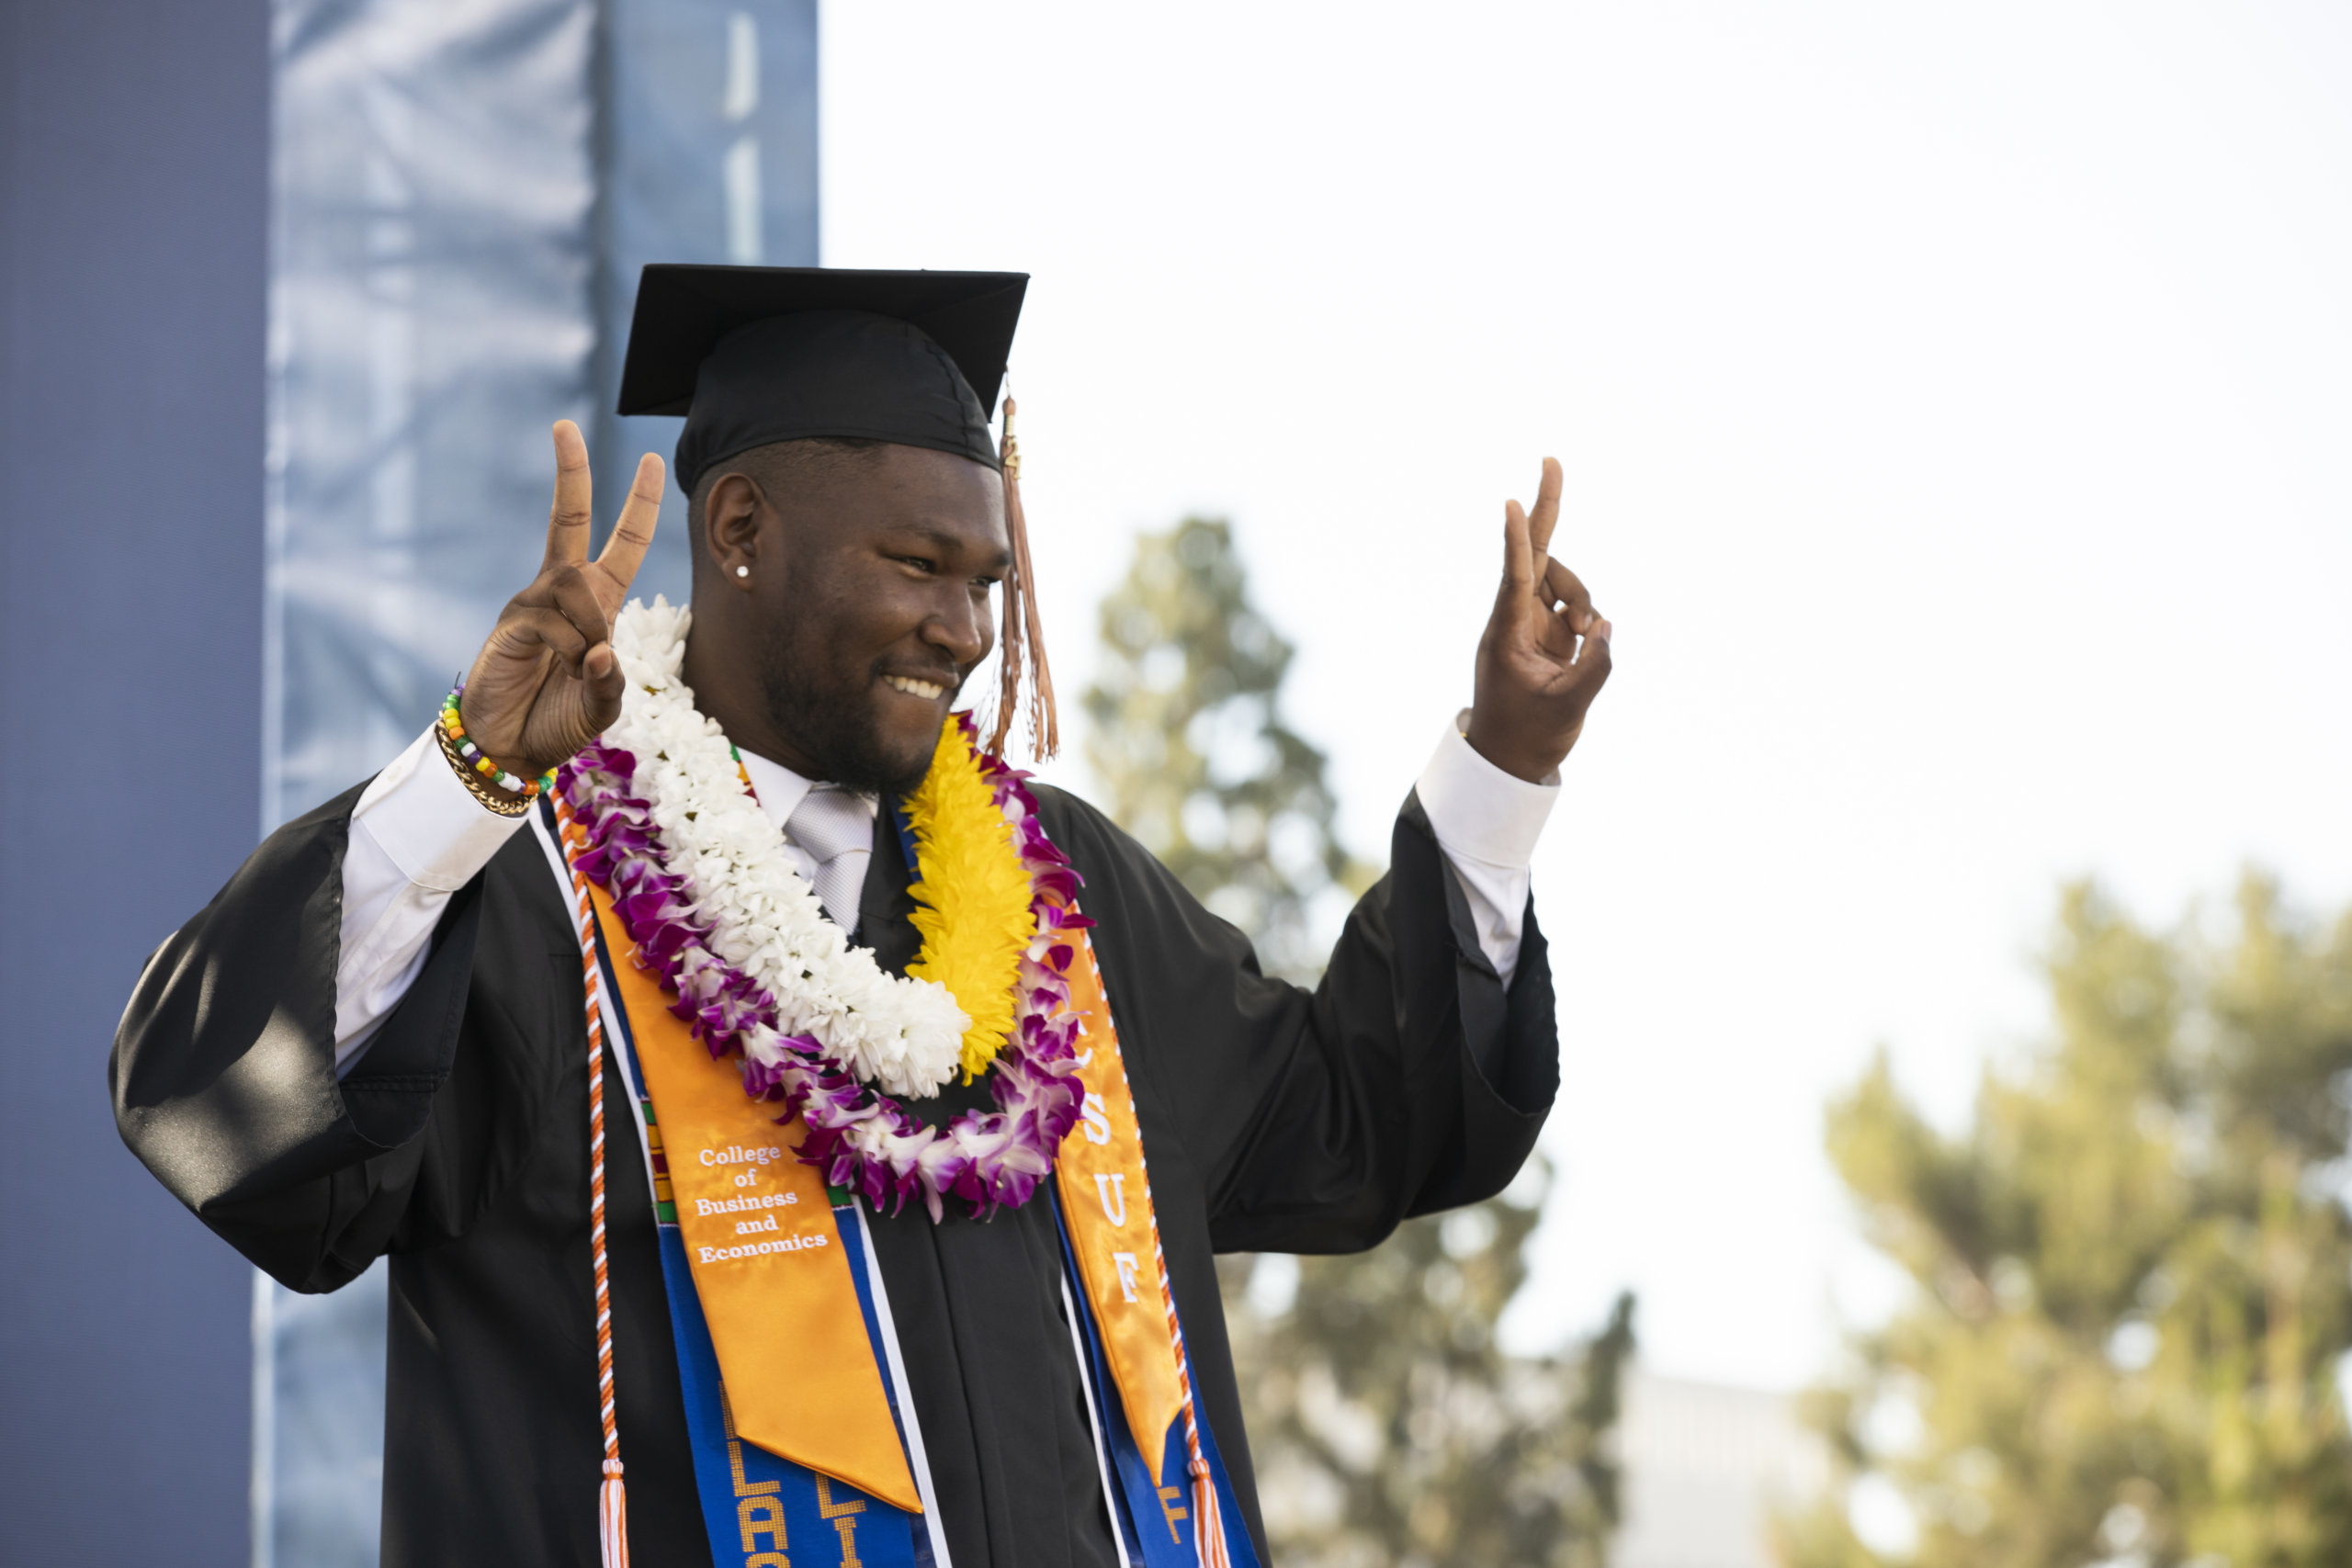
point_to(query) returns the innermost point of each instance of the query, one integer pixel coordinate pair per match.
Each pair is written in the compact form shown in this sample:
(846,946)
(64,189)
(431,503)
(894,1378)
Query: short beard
(828,731)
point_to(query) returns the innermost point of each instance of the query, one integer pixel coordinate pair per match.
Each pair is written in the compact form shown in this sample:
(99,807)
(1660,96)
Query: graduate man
(796,1138)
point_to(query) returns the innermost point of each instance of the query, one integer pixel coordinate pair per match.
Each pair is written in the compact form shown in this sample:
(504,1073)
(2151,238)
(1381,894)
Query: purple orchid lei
(860,1137)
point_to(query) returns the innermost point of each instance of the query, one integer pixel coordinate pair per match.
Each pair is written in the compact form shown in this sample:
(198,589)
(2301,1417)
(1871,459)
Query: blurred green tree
(2132,1276)
(1199,766)
(1387,1426)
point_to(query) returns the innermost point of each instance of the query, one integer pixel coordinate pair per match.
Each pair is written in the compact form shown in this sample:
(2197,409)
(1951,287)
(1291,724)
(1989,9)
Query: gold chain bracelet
(482,789)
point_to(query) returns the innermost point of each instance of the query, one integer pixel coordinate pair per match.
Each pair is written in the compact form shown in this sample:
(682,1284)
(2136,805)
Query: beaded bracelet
(490,796)
(453,726)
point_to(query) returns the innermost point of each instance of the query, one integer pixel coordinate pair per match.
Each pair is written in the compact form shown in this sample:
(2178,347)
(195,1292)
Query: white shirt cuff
(427,823)
(1480,812)
(417,836)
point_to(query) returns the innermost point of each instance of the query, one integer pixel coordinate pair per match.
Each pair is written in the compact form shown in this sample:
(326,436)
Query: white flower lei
(903,1035)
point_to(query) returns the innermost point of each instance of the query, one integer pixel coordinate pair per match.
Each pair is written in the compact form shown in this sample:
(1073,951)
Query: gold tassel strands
(1021,643)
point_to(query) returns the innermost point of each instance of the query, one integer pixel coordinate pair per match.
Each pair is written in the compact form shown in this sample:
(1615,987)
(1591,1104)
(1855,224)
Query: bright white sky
(1954,403)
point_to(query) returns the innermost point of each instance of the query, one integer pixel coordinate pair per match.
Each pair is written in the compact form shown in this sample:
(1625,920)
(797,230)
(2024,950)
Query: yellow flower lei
(972,898)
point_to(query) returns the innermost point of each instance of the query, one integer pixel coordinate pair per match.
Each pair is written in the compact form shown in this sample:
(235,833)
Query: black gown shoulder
(1410,1079)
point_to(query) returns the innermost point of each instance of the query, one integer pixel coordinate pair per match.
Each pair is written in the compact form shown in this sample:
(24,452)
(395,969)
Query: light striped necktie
(829,823)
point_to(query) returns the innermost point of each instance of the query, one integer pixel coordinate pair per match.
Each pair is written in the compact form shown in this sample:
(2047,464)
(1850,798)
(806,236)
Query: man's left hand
(1545,652)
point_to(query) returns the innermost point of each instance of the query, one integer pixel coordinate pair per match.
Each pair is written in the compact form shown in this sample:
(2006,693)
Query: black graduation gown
(1273,1119)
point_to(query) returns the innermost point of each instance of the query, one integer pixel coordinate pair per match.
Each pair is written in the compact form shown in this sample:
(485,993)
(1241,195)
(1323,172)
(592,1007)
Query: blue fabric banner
(460,196)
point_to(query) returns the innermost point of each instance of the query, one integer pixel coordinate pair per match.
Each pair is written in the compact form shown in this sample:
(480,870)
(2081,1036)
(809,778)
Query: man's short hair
(783,468)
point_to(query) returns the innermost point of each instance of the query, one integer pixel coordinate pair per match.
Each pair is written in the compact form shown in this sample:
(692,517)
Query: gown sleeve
(416,837)
(223,1070)
(1410,1079)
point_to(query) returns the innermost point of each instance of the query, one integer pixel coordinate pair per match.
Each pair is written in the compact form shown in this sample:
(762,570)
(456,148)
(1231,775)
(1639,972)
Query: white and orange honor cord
(612,1498)
(1208,1525)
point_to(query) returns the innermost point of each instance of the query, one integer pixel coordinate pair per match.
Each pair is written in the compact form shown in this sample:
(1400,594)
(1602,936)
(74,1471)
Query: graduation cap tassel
(1023,630)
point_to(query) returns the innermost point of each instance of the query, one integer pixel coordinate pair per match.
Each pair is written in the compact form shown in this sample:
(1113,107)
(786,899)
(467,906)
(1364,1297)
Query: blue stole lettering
(754,1503)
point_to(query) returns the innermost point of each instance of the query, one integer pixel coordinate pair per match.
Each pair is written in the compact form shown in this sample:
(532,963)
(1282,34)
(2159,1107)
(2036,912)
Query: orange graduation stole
(813,1393)
(1106,1203)
(773,1282)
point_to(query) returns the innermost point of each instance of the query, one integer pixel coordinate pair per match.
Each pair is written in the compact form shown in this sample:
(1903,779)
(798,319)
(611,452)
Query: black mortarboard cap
(757,354)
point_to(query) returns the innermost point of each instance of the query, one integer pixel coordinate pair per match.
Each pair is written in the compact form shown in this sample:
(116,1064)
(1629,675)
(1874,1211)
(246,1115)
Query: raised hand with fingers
(547,681)
(1545,650)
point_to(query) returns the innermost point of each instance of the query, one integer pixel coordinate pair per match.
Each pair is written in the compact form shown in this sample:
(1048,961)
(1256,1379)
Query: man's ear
(731,527)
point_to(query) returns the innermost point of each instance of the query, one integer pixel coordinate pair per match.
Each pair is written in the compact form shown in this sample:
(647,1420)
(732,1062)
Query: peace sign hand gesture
(547,681)
(1534,682)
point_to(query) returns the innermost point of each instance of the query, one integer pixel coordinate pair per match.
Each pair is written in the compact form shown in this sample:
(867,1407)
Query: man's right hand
(547,681)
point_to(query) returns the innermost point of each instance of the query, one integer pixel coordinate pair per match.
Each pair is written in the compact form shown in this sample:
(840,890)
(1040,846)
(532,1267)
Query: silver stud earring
(742,571)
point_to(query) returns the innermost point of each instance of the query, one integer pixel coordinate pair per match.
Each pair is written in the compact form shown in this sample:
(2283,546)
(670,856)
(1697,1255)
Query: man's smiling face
(869,604)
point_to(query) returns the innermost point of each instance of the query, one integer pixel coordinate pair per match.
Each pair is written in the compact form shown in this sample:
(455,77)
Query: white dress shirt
(417,836)
(780,793)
